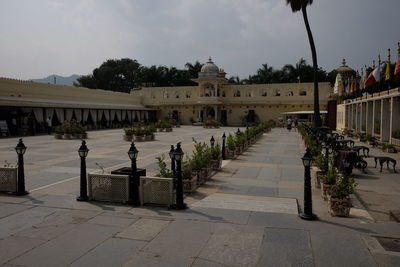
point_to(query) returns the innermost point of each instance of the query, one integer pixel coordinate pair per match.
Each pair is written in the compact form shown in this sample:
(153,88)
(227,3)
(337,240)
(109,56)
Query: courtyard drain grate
(389,243)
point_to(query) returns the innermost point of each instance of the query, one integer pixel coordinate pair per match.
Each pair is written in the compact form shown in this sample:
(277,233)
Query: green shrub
(128,131)
(343,187)
(230,142)
(162,168)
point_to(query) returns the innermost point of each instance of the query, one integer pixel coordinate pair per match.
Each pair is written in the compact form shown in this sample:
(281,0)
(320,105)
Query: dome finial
(398,48)
(344,62)
(209,59)
(388,55)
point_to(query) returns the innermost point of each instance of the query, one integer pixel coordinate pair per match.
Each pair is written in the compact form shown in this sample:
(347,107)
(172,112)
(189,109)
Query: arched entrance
(210,113)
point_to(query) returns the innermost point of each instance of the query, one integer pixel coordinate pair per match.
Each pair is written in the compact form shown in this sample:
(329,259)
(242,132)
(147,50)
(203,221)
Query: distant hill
(58,79)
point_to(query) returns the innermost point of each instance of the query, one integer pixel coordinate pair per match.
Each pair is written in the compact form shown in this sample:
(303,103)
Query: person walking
(49,125)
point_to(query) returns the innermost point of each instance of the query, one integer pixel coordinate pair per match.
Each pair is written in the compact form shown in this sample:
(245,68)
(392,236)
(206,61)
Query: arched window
(264,93)
(188,94)
(302,92)
(290,93)
(223,94)
(176,94)
(250,94)
(166,95)
(277,92)
(237,94)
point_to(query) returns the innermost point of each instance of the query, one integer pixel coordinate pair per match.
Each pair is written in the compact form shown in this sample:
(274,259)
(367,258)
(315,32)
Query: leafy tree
(297,5)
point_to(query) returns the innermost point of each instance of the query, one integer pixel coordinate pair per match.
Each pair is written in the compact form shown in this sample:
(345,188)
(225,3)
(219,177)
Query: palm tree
(298,5)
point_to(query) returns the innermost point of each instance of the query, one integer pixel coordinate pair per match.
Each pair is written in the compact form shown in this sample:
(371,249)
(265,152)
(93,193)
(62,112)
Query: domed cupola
(209,69)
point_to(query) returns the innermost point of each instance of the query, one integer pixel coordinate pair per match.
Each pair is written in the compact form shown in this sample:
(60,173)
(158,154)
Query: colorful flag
(373,77)
(397,68)
(387,73)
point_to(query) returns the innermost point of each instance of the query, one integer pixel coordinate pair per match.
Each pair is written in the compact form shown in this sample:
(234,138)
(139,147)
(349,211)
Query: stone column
(395,115)
(385,120)
(369,118)
(376,117)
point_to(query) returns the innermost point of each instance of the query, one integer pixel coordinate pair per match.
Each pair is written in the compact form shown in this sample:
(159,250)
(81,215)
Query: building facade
(230,104)
(23,103)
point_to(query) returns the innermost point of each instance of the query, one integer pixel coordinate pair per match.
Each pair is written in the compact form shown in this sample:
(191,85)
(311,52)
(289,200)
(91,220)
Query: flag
(387,72)
(373,77)
(397,68)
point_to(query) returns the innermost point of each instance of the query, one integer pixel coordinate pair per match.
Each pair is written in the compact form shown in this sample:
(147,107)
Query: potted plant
(321,163)
(163,171)
(128,136)
(83,130)
(189,180)
(139,134)
(339,200)
(152,129)
(168,127)
(327,181)
(216,157)
(67,132)
(389,148)
(230,147)
(59,131)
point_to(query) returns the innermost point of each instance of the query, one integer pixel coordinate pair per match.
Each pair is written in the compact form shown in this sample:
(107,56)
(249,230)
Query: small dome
(346,70)
(209,67)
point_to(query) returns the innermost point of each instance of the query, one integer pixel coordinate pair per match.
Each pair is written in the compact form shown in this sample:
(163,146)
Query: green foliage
(331,175)
(396,134)
(162,167)
(187,166)
(212,123)
(139,131)
(201,155)
(321,162)
(128,131)
(343,187)
(216,152)
(72,128)
(230,142)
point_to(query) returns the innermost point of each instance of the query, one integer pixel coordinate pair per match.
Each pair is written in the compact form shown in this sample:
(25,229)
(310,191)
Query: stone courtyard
(247,215)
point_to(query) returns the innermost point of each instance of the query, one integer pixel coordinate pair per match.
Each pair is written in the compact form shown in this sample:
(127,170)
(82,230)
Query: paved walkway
(245,216)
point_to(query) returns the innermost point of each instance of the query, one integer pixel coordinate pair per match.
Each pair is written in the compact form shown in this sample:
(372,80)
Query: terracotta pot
(229,154)
(339,207)
(325,192)
(216,164)
(190,185)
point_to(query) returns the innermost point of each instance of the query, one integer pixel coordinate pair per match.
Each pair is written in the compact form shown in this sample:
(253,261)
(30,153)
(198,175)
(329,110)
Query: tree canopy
(124,74)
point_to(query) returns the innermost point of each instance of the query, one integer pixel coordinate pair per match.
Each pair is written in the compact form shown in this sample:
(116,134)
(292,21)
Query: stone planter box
(128,138)
(190,185)
(325,192)
(168,129)
(67,136)
(318,178)
(216,164)
(157,190)
(147,138)
(108,187)
(58,136)
(230,154)
(139,138)
(339,207)
(8,179)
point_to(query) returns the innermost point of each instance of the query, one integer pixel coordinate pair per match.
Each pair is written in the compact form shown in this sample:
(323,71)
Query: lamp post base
(82,198)
(178,207)
(22,193)
(308,217)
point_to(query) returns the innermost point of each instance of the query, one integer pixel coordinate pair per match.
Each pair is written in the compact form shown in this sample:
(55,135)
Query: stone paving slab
(144,229)
(182,238)
(23,220)
(112,252)
(249,203)
(234,245)
(68,247)
(14,246)
(146,259)
(286,247)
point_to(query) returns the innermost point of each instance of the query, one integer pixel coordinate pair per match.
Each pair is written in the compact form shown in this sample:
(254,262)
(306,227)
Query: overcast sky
(43,37)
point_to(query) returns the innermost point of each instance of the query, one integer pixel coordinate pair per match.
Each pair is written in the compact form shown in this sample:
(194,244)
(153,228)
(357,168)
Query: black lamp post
(307,214)
(238,132)
(172,156)
(223,146)
(133,197)
(180,205)
(212,141)
(83,152)
(20,149)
